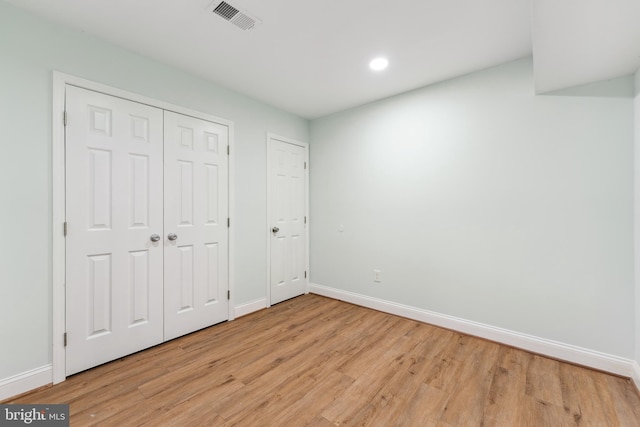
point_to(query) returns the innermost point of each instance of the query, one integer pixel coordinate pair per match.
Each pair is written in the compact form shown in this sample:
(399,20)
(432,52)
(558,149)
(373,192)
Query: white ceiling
(584,41)
(311,58)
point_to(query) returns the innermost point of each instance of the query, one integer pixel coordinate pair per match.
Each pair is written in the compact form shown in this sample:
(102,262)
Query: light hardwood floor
(321,362)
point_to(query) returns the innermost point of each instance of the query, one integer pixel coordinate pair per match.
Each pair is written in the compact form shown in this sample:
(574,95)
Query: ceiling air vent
(237,17)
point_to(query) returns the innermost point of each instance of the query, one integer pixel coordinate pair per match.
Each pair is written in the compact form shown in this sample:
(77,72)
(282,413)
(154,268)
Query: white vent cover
(235,15)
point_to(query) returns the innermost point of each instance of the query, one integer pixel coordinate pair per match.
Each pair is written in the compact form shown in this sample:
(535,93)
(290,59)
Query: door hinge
(65,339)
(305,165)
(64,118)
(228,150)
(64,226)
(228,294)
(228,222)
(305,274)
(305,219)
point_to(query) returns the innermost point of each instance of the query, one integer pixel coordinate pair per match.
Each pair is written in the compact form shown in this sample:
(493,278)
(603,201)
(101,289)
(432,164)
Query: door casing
(60,81)
(305,145)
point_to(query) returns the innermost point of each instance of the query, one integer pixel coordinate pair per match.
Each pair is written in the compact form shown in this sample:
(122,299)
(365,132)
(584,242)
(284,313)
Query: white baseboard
(250,307)
(25,382)
(557,350)
(635,376)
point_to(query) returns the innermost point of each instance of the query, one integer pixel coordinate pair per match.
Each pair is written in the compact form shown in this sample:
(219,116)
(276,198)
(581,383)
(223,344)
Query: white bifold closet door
(114,295)
(146,211)
(196,206)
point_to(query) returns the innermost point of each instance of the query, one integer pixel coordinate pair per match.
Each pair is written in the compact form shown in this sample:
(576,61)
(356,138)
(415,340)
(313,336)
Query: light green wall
(30,49)
(479,200)
(637,212)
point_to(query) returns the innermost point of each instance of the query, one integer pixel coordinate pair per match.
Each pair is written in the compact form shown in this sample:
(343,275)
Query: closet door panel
(196,278)
(114,192)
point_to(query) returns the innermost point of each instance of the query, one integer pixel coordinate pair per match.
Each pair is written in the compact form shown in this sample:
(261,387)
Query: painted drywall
(477,199)
(637,211)
(30,49)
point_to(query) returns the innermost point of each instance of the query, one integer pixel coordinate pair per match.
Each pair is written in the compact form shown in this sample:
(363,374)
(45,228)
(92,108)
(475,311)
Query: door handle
(154,238)
(274,230)
(172,236)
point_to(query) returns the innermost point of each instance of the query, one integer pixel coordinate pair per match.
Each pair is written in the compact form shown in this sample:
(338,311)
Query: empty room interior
(321,213)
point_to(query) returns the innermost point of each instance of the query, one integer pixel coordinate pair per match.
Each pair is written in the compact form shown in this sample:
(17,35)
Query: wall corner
(636,215)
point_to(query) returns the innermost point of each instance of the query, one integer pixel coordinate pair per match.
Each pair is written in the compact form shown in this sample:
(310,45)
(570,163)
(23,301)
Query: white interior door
(114,288)
(287,213)
(196,273)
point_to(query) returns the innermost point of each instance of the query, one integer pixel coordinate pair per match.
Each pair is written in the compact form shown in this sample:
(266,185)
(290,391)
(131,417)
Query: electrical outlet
(376,276)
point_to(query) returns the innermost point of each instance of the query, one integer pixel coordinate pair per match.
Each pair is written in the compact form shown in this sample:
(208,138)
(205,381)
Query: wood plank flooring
(320,362)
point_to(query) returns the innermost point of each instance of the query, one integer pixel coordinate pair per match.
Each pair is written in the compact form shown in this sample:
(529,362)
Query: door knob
(172,236)
(154,237)
(274,230)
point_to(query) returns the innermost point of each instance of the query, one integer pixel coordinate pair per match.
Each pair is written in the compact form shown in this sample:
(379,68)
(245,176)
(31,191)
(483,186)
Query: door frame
(305,145)
(58,254)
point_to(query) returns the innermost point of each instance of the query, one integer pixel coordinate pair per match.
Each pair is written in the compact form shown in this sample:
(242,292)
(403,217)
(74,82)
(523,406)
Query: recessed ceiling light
(378,64)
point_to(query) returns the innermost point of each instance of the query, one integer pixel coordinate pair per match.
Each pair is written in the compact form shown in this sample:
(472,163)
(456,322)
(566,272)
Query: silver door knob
(154,238)
(274,230)
(172,236)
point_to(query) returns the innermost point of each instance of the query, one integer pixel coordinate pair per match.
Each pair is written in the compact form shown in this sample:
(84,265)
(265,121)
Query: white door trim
(305,145)
(60,80)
